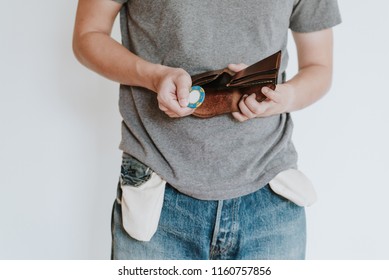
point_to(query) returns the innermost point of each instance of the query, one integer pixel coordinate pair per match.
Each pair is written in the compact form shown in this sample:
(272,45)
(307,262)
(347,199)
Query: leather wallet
(224,88)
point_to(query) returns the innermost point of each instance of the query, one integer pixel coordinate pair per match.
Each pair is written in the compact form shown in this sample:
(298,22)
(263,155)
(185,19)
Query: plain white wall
(60,130)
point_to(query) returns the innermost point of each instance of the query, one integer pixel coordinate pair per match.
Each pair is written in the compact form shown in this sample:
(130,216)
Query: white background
(60,130)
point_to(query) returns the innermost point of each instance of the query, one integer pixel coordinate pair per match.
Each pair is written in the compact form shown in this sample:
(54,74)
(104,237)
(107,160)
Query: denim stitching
(214,250)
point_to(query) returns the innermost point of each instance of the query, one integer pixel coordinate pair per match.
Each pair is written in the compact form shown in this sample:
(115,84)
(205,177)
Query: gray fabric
(316,15)
(217,158)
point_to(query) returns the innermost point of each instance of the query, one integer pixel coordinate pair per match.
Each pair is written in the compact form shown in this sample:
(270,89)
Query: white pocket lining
(295,186)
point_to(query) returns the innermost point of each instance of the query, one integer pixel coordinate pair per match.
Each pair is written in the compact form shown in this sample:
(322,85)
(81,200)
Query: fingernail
(265,90)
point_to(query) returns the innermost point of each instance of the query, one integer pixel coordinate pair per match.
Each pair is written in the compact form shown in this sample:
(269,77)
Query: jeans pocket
(142,199)
(134,173)
(293,185)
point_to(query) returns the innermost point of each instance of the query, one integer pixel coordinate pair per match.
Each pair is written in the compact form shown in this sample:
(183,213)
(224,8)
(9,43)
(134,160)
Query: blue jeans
(261,225)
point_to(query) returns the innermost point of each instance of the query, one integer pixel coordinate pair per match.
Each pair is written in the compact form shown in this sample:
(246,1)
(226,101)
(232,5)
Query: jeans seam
(216,229)
(231,242)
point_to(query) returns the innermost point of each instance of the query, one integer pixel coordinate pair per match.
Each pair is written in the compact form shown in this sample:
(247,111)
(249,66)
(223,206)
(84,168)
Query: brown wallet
(224,88)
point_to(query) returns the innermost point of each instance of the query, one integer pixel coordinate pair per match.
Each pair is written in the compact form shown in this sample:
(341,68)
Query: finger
(167,101)
(167,111)
(237,67)
(171,114)
(239,117)
(163,108)
(244,109)
(183,85)
(257,108)
(178,110)
(271,94)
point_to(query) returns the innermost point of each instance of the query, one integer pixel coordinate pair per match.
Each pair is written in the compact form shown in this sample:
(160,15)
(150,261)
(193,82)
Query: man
(218,203)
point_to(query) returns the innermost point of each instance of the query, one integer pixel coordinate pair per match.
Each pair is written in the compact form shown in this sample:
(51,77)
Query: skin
(94,48)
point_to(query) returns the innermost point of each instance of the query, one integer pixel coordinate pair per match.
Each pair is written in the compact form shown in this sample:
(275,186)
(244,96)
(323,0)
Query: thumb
(237,67)
(183,84)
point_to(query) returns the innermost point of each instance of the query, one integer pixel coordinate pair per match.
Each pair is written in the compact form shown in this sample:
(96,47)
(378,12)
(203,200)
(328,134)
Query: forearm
(96,49)
(102,54)
(312,81)
(315,56)
(309,85)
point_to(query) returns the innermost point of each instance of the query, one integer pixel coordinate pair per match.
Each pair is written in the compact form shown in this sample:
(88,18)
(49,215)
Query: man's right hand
(172,86)
(95,48)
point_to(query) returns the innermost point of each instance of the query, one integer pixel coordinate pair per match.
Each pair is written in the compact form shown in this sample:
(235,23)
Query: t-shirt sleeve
(314,15)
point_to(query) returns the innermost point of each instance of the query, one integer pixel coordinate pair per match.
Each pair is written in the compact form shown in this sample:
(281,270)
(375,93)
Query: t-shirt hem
(231,193)
(315,28)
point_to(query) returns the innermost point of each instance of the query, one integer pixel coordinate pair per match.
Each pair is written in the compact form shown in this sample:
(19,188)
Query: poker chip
(196,97)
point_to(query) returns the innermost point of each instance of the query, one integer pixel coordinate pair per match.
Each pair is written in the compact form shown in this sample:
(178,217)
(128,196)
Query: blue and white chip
(196,97)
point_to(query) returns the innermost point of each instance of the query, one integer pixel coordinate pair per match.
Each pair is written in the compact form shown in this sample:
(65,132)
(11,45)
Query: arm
(312,81)
(94,48)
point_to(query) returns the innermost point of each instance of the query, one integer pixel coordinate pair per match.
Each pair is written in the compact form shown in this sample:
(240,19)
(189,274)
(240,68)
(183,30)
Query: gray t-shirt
(216,158)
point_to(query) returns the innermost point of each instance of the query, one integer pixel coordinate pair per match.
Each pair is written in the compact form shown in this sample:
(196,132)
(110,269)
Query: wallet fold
(225,88)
